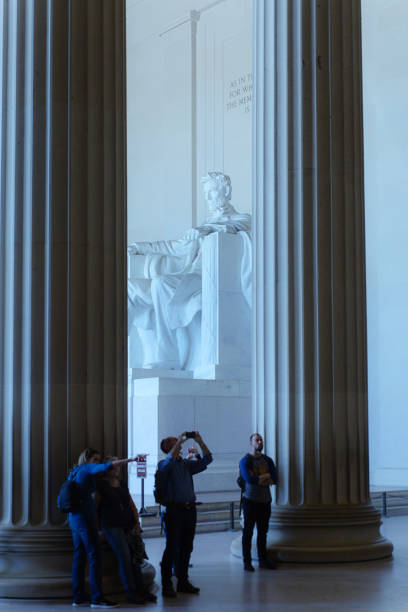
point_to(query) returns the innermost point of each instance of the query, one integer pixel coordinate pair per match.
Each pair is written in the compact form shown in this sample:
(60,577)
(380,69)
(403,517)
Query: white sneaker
(105,604)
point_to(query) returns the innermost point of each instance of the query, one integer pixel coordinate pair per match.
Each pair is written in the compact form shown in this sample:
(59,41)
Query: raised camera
(190,434)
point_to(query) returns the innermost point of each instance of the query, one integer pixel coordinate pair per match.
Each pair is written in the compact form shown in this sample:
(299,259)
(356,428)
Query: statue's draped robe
(167,301)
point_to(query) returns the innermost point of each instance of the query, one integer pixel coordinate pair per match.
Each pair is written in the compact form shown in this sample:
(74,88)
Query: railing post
(384,503)
(232,518)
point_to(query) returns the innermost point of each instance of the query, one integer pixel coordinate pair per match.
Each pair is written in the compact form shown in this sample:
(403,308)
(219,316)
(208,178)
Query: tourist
(83,524)
(174,478)
(119,520)
(259,473)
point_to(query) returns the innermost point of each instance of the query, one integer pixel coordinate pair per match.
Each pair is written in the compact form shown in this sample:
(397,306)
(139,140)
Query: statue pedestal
(219,409)
(223,372)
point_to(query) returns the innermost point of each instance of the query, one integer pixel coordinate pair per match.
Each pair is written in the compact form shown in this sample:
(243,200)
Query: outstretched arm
(119,462)
(169,248)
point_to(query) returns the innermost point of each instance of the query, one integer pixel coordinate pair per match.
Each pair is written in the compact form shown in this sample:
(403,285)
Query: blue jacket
(84,476)
(247,473)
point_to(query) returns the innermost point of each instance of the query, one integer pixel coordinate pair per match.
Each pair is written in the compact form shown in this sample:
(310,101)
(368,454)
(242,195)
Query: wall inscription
(239,94)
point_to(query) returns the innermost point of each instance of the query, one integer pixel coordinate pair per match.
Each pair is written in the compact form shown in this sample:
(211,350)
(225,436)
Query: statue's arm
(177,248)
(169,248)
(226,228)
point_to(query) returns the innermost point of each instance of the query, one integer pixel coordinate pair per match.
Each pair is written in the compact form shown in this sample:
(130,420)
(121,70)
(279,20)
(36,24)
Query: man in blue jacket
(259,473)
(180,517)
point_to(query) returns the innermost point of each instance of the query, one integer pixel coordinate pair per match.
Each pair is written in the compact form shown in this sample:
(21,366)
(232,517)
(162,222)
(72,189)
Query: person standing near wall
(259,473)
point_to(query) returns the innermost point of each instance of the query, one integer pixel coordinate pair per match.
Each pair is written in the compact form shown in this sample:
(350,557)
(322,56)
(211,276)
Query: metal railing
(390,502)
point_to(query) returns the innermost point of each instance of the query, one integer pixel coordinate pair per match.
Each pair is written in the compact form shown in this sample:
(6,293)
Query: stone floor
(373,586)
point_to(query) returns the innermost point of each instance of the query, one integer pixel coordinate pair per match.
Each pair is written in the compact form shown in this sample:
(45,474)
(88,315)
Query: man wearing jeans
(180,517)
(259,473)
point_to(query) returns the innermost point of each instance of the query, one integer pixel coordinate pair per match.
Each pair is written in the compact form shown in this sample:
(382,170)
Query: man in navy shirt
(180,517)
(259,472)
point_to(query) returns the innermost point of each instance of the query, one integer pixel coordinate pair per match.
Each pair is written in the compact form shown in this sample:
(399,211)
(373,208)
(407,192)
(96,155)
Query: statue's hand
(191,234)
(138,248)
(133,249)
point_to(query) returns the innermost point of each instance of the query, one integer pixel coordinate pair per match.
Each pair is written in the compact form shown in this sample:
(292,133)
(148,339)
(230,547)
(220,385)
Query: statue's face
(215,194)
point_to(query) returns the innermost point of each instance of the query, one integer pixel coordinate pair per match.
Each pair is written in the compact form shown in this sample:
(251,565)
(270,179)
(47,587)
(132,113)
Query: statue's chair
(216,345)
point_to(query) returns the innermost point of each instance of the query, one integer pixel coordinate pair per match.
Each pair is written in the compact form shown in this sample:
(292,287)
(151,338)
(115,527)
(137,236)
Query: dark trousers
(258,514)
(130,574)
(86,544)
(180,526)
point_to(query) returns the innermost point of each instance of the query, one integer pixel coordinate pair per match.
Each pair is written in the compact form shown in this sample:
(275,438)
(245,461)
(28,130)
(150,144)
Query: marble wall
(189,90)
(385,57)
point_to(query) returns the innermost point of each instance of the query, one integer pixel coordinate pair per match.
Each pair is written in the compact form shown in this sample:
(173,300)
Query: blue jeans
(130,573)
(86,543)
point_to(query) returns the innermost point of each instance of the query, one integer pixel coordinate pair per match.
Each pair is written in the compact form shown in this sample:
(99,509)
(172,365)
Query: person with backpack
(257,474)
(174,489)
(83,524)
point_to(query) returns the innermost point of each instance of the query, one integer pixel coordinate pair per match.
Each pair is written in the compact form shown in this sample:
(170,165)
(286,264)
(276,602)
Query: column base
(332,534)
(37,564)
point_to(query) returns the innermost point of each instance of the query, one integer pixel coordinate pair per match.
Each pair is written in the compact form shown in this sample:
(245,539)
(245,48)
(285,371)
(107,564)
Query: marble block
(219,409)
(225,323)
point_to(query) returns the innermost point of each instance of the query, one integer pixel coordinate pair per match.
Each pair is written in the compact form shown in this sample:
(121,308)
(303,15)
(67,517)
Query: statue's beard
(221,207)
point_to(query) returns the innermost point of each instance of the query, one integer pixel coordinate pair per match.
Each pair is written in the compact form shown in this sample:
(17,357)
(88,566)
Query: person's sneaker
(248,567)
(135,598)
(84,603)
(104,604)
(168,591)
(271,565)
(187,587)
(150,596)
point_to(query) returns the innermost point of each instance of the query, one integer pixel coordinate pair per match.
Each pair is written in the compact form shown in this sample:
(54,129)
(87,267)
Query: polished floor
(373,586)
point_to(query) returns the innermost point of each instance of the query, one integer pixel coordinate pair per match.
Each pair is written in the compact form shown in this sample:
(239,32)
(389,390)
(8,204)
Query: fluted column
(62,271)
(310,366)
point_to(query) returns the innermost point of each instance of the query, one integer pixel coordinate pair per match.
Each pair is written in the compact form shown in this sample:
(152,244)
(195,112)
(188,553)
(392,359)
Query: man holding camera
(180,517)
(259,473)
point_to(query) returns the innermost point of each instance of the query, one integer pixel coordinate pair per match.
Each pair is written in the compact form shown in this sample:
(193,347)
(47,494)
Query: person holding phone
(180,514)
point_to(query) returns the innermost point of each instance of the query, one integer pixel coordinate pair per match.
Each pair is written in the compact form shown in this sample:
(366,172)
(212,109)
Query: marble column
(310,362)
(62,271)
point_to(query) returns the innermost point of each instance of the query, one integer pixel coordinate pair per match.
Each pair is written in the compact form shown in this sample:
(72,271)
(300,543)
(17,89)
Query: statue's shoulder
(238,215)
(241,220)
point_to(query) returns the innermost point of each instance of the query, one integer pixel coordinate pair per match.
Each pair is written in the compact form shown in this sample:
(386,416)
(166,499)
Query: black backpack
(69,498)
(160,488)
